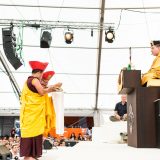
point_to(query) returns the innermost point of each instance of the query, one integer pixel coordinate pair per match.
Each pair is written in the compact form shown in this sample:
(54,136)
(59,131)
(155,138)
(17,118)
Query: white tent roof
(135,24)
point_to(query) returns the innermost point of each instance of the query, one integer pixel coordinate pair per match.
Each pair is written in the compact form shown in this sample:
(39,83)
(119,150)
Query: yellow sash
(32,113)
(50,116)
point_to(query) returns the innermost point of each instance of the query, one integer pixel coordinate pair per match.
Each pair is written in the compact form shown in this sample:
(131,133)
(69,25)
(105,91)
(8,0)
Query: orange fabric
(50,116)
(68,132)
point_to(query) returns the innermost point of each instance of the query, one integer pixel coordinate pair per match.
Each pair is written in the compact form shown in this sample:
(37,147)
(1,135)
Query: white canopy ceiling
(135,24)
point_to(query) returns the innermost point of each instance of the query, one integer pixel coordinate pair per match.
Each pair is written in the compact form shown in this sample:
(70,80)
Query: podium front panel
(141,125)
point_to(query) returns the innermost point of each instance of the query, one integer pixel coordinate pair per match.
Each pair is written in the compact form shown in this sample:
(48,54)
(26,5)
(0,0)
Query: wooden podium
(141,123)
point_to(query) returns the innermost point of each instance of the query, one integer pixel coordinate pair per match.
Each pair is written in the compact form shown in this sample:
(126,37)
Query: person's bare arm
(41,90)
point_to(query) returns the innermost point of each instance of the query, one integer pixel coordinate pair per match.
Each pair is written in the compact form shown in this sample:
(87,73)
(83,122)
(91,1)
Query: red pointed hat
(48,75)
(38,65)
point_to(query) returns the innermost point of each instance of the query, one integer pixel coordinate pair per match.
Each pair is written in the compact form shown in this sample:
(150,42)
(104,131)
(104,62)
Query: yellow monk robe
(154,71)
(50,116)
(32,113)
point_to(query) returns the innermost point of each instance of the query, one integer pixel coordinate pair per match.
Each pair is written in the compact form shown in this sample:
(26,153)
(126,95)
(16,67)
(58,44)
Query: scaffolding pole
(10,75)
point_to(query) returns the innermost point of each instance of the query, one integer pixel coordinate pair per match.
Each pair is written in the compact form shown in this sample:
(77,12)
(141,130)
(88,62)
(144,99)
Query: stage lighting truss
(56,24)
(66,25)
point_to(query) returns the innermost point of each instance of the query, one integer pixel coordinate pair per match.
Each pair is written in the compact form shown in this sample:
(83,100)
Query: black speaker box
(5,154)
(46,39)
(70,143)
(47,144)
(9,48)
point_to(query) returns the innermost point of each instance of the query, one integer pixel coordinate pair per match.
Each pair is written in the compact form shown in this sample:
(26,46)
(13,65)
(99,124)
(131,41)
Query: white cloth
(58,100)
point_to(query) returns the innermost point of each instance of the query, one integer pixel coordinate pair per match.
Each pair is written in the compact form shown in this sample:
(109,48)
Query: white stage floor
(87,150)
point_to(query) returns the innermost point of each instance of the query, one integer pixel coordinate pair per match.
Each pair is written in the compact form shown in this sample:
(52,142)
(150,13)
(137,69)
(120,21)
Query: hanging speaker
(46,39)
(9,46)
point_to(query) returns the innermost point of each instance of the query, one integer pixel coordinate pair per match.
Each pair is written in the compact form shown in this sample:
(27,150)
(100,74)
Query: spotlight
(46,39)
(109,36)
(68,37)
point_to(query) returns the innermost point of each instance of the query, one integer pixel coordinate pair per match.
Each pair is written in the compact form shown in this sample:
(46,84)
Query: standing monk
(32,112)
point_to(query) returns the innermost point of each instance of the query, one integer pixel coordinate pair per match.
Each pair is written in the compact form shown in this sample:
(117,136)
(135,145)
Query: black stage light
(68,37)
(46,39)
(109,36)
